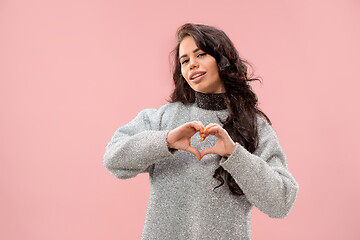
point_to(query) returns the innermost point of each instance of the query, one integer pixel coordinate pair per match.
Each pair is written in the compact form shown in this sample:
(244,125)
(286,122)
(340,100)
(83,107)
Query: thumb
(194,151)
(207,151)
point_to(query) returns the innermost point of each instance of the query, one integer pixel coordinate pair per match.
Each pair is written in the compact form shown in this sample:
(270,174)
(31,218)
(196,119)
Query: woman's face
(194,60)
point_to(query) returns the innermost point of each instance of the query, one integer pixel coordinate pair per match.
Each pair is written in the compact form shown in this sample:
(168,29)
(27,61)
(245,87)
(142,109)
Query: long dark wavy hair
(241,101)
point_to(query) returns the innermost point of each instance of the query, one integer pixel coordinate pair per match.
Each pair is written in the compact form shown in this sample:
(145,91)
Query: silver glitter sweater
(182,203)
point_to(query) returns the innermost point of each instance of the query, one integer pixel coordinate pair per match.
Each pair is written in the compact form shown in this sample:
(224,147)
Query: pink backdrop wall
(72,72)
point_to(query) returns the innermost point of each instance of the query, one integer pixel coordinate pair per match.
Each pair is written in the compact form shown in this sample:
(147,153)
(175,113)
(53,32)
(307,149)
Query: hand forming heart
(179,138)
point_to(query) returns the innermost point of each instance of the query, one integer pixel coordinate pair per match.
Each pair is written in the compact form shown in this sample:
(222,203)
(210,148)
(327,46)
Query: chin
(202,89)
(198,88)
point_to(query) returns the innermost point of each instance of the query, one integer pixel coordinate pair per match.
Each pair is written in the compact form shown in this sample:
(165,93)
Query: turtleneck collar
(210,101)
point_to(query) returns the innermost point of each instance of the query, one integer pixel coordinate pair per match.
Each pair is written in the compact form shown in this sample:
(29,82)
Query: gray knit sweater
(182,203)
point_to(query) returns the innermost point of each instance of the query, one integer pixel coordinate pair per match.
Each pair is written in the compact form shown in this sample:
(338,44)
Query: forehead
(187,45)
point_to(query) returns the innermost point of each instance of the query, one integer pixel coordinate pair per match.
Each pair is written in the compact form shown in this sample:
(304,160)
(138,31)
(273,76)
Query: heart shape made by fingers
(180,138)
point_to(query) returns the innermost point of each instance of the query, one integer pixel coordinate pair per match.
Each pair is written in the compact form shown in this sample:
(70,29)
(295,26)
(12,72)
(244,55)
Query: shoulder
(169,107)
(166,109)
(264,127)
(268,138)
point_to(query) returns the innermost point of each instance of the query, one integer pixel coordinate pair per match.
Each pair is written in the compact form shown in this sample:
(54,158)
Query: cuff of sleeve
(152,147)
(240,159)
(172,150)
(160,141)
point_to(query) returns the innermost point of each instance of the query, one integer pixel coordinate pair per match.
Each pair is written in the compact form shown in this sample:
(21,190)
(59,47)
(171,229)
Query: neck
(210,101)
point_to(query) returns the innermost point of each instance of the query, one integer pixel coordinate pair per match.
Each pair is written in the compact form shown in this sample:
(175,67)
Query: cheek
(183,73)
(213,72)
(214,67)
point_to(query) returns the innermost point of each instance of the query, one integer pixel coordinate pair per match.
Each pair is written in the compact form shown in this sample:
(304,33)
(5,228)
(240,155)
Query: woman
(213,115)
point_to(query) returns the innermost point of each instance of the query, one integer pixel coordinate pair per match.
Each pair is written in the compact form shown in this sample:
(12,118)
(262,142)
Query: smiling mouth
(197,76)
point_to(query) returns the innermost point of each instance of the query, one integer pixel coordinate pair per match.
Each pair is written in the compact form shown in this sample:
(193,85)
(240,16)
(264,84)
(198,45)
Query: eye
(200,55)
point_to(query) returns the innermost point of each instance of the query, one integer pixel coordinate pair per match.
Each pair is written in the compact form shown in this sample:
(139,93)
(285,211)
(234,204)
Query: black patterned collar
(210,101)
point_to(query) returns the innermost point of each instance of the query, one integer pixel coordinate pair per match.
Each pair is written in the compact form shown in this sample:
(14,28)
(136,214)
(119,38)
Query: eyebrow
(185,55)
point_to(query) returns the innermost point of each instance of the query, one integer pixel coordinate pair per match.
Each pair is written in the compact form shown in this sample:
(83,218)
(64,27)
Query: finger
(210,124)
(211,130)
(201,124)
(204,134)
(194,151)
(207,151)
(198,126)
(201,127)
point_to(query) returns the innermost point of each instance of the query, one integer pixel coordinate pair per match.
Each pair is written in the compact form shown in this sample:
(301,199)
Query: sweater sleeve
(136,146)
(264,176)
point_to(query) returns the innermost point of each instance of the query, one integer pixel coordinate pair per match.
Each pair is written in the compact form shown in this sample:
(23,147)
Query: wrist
(169,145)
(171,149)
(232,149)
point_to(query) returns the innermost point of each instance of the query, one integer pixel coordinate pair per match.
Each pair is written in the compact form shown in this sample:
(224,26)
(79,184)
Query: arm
(136,146)
(264,176)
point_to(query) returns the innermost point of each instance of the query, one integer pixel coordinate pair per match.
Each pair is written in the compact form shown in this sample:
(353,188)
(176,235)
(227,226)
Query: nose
(193,63)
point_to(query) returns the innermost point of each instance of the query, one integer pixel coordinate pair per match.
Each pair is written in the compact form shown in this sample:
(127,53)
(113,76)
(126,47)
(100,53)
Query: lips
(194,73)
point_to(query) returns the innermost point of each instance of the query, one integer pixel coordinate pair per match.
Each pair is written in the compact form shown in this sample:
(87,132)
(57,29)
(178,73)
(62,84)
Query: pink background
(72,72)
